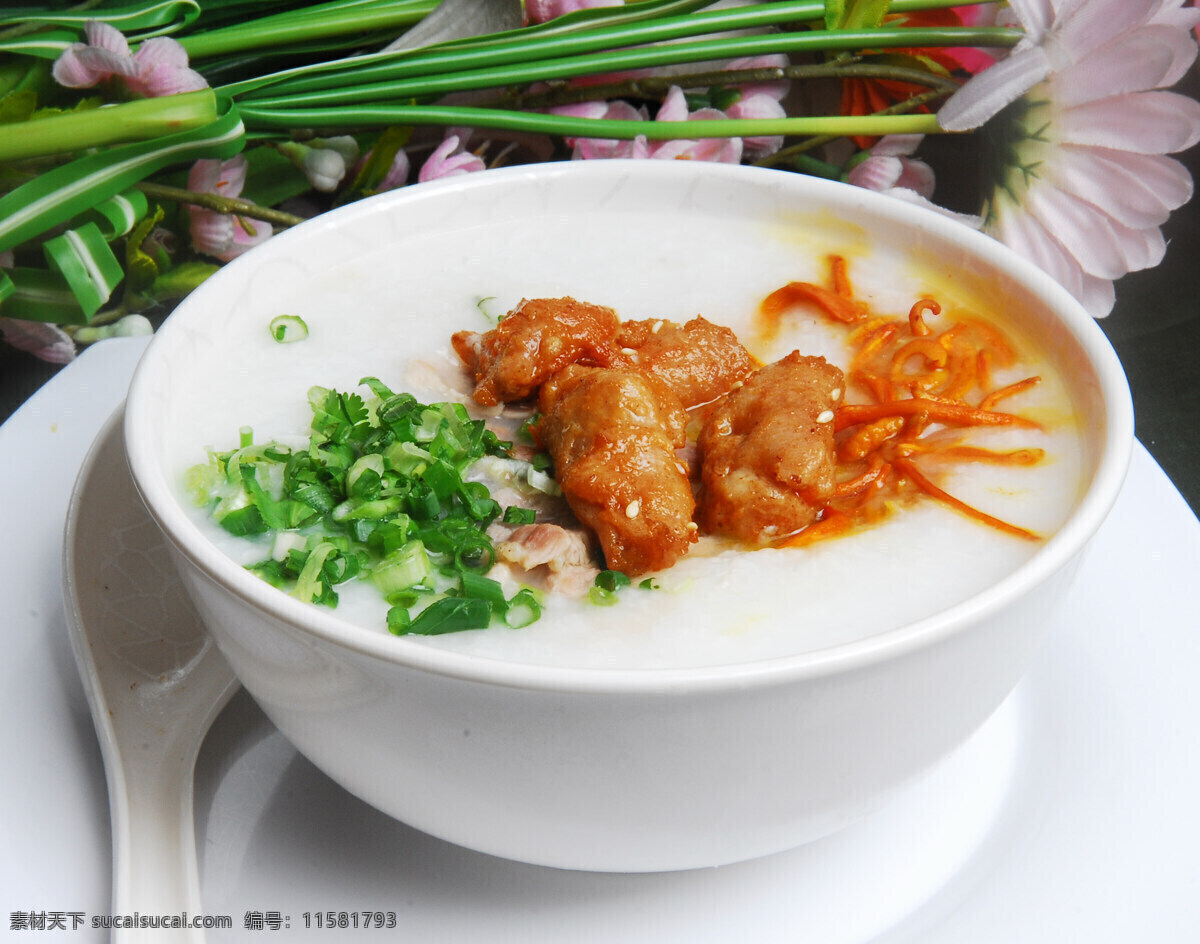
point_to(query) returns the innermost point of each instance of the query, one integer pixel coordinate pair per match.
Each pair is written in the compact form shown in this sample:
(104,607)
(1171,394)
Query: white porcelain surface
(153,677)
(595,769)
(1069,817)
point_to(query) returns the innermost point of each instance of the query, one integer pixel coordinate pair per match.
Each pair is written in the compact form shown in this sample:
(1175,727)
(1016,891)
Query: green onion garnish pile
(377,494)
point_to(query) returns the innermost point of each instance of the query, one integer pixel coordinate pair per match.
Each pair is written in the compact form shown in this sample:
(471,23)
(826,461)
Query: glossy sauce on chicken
(614,430)
(767,451)
(613,434)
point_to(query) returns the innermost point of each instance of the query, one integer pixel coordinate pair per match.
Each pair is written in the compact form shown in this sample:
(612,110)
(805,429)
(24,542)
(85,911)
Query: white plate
(1071,816)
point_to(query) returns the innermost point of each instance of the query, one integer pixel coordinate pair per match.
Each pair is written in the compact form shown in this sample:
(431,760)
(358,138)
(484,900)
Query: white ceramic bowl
(600,768)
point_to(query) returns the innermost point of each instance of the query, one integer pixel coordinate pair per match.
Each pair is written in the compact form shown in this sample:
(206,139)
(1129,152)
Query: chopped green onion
(611,580)
(379,493)
(524,608)
(310,585)
(288,328)
(451,615)
(402,569)
(601,596)
(476,586)
(516,515)
(398,620)
(603,591)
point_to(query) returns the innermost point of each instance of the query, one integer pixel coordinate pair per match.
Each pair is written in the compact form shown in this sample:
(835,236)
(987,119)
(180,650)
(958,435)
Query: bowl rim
(1111,467)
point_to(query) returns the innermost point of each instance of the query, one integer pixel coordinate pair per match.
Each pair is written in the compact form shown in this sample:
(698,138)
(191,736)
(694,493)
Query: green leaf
(17,106)
(137,21)
(854,14)
(179,281)
(140,267)
(44,44)
(271,178)
(140,120)
(41,295)
(17,74)
(118,214)
(316,22)
(85,261)
(58,195)
(378,163)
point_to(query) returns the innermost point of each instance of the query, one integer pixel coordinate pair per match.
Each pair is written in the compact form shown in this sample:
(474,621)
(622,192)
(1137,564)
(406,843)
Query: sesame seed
(656,328)
(736,385)
(692,526)
(835,394)
(628,351)
(825,417)
(632,509)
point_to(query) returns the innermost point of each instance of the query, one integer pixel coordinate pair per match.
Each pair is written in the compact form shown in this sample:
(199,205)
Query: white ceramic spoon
(154,681)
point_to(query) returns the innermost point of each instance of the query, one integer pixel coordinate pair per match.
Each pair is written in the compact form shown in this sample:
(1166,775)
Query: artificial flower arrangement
(144,144)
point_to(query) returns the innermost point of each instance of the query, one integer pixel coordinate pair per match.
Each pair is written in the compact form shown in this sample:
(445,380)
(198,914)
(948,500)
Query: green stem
(535,49)
(665,54)
(652,87)
(311,23)
(141,120)
(24,29)
(382,116)
(557,37)
(212,201)
(917,6)
(797,154)
(815,168)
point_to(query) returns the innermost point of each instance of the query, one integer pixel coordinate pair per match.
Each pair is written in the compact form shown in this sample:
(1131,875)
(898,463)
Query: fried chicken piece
(534,341)
(698,360)
(612,434)
(768,453)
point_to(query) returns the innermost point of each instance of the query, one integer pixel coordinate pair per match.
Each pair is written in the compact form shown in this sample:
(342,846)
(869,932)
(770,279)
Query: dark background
(1155,329)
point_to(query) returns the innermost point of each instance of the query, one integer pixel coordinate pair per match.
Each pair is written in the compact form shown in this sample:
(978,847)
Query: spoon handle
(155,874)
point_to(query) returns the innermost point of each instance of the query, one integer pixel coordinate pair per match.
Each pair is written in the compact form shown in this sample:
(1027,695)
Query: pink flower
(760,100)
(673,108)
(1089,182)
(1099,47)
(159,67)
(44,341)
(889,166)
(448,161)
(777,89)
(719,150)
(397,173)
(540,11)
(220,234)
(593,148)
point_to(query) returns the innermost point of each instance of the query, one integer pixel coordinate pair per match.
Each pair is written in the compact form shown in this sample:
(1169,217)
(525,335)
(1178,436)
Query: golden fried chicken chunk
(767,451)
(698,360)
(535,340)
(612,434)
